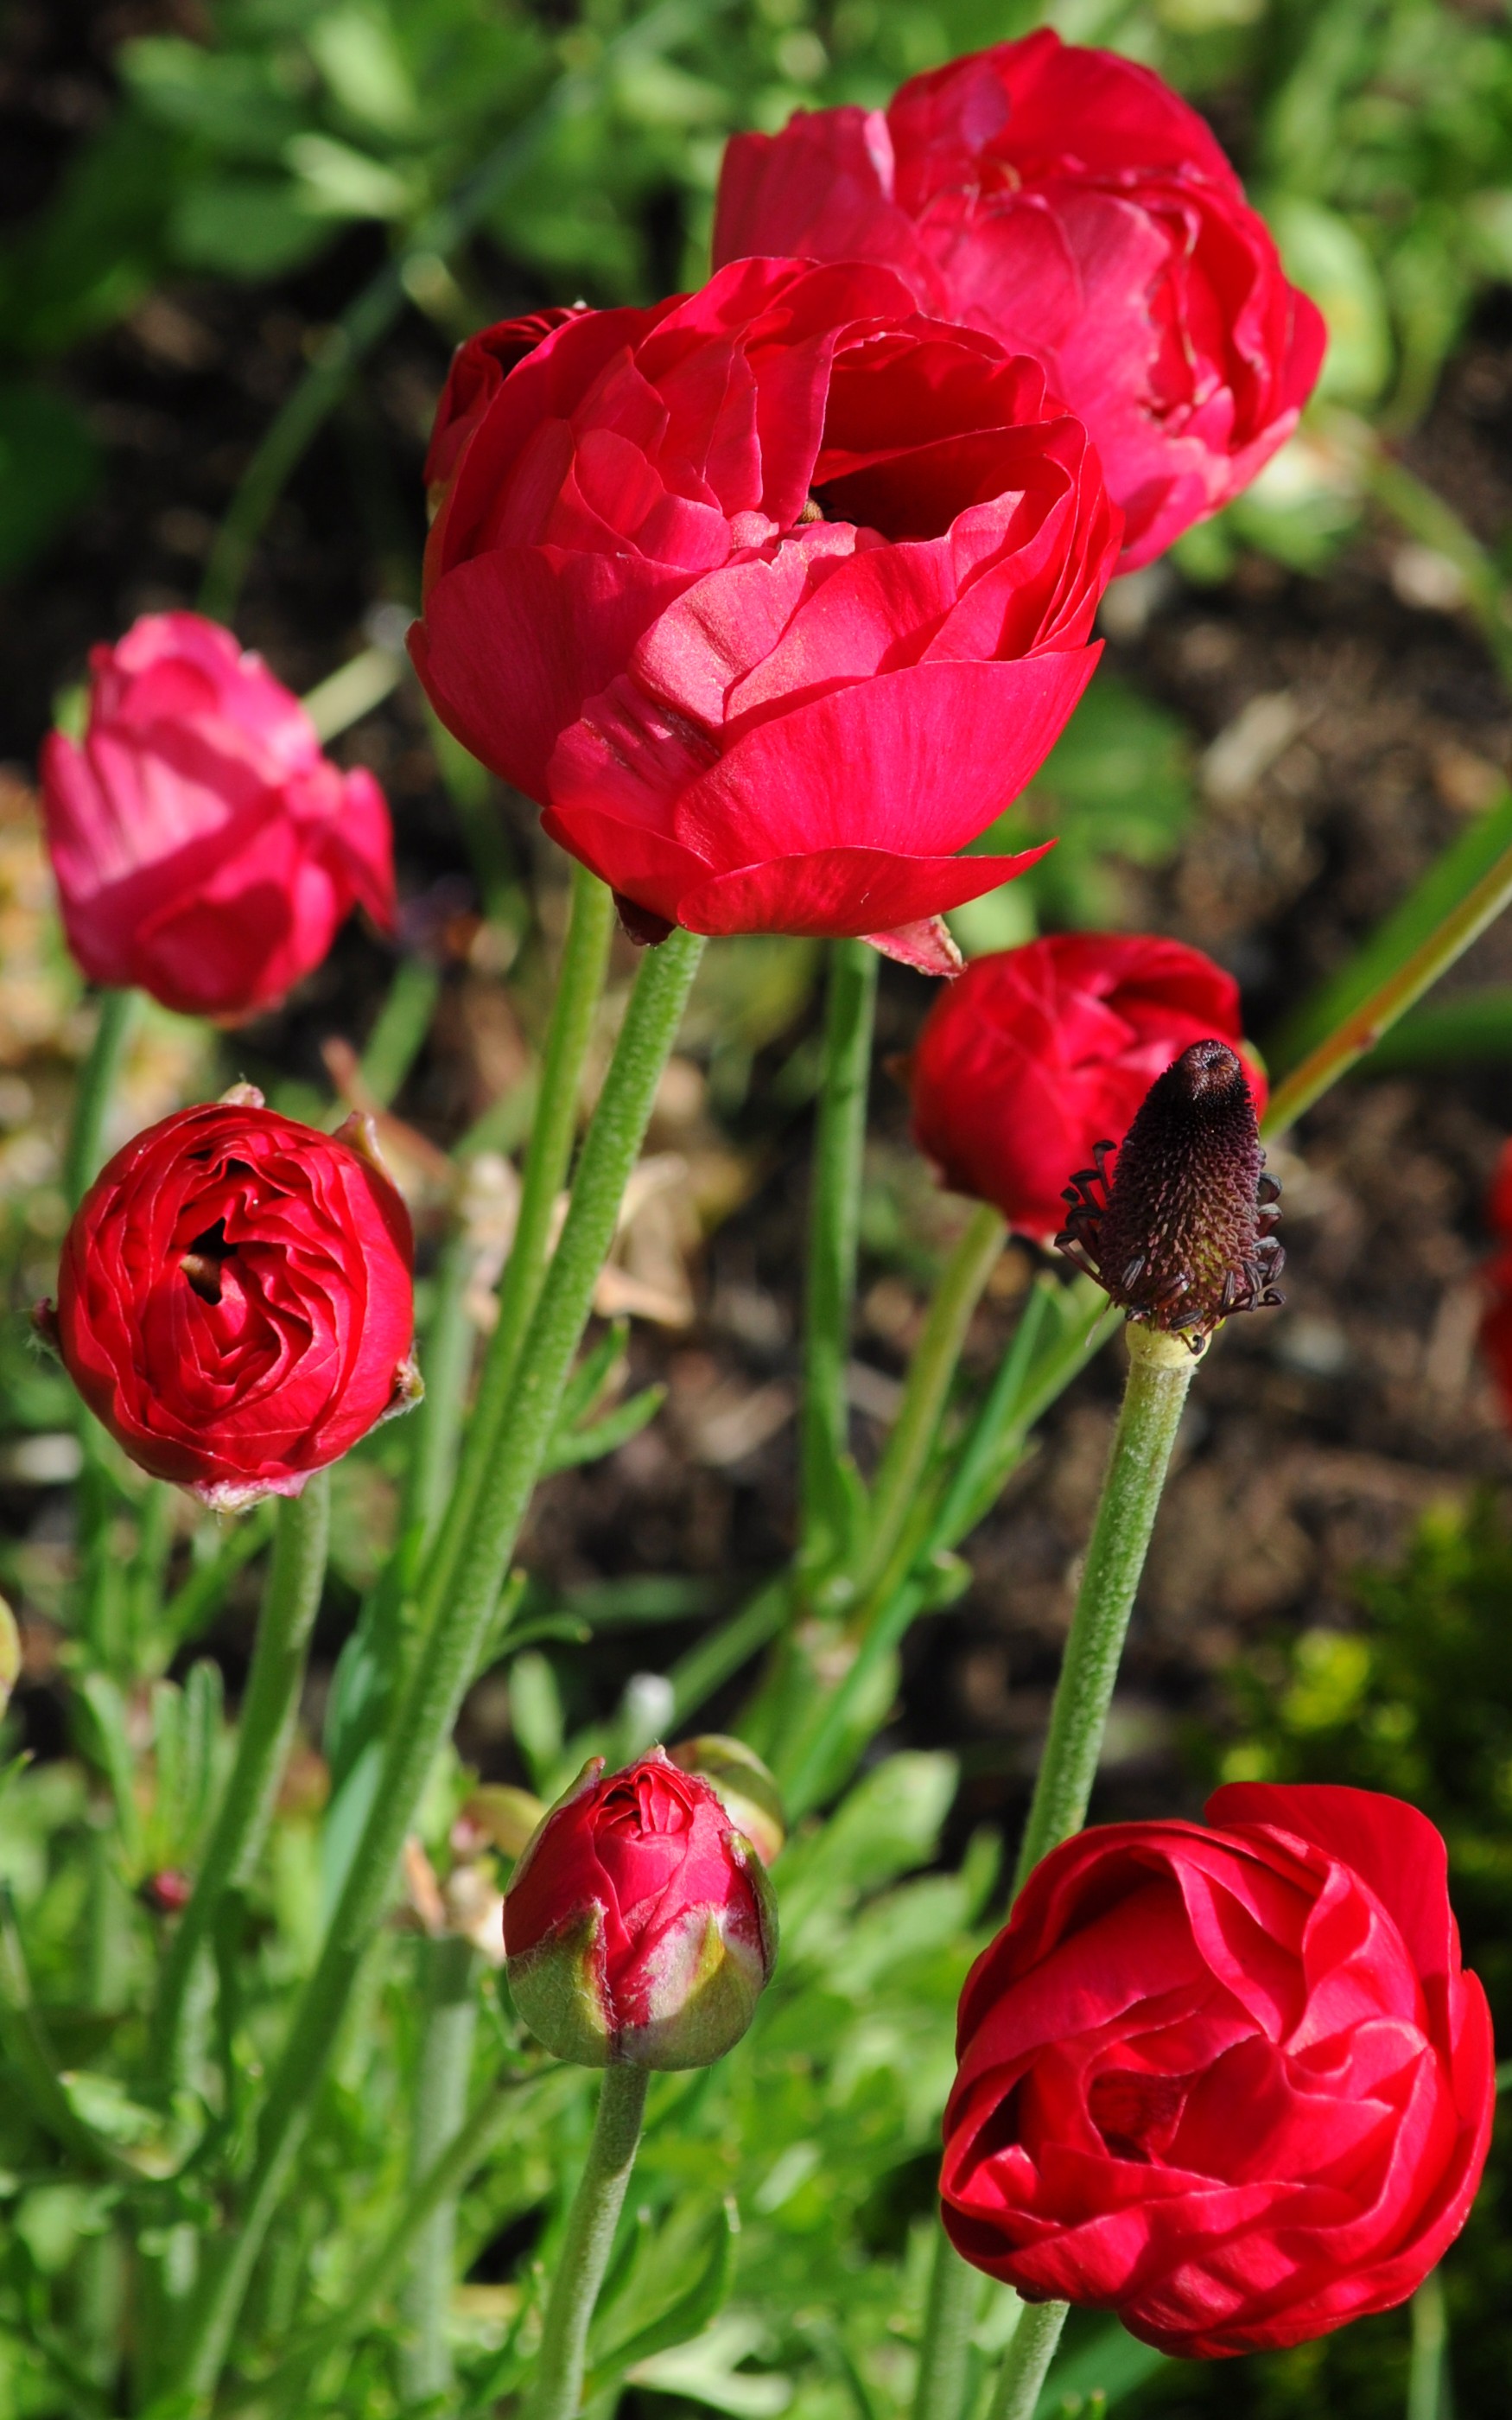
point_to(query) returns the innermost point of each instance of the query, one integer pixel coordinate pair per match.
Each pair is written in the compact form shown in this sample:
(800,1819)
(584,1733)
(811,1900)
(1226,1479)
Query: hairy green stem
(834,1224)
(1028,2357)
(1159,1373)
(1430,2339)
(945,2349)
(557,2388)
(584,962)
(927,1387)
(441,2104)
(98,1079)
(448,1652)
(291,1599)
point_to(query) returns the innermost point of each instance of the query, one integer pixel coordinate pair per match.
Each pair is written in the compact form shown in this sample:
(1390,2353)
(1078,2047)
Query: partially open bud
(639,1926)
(1179,1235)
(751,1798)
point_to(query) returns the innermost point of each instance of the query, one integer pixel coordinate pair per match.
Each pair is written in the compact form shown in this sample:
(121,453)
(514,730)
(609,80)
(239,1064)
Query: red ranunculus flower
(640,1925)
(235,1299)
(1038,1053)
(1231,2084)
(478,370)
(772,596)
(1067,201)
(204,848)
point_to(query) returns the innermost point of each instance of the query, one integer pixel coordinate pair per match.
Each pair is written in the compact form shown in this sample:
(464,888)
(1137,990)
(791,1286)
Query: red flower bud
(640,1925)
(1036,1054)
(1231,2082)
(205,849)
(235,1300)
(167,1892)
(1069,202)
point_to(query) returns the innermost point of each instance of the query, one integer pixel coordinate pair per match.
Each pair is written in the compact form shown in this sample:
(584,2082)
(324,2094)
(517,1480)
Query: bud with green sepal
(640,1927)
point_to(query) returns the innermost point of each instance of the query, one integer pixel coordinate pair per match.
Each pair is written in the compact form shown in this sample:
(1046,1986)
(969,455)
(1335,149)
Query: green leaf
(246,227)
(688,2316)
(615,1428)
(1466,1028)
(1112,2366)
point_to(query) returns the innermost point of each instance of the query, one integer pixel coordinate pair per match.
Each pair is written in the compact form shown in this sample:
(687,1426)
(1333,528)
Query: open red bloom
(772,596)
(205,850)
(235,1300)
(1038,1053)
(1230,2082)
(1068,202)
(640,1925)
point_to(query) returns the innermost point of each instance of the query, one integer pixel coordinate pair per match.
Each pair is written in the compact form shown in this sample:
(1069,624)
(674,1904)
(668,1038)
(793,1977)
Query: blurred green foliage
(1378,134)
(1417,1701)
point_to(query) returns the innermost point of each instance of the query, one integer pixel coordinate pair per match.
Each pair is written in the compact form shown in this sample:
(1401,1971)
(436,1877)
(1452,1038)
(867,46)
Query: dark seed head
(1179,1235)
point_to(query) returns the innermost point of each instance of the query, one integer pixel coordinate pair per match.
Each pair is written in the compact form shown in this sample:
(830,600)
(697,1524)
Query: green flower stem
(98,1079)
(584,962)
(1159,1373)
(834,1224)
(557,2387)
(442,2068)
(291,1599)
(931,1371)
(1430,2342)
(449,1651)
(1027,2360)
(945,2351)
(399,1031)
(1358,1032)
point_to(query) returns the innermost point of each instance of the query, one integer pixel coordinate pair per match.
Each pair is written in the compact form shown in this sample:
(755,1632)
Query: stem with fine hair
(584,962)
(448,1651)
(834,1223)
(291,1599)
(1159,1373)
(945,2349)
(441,2069)
(906,1453)
(1031,2352)
(1430,2339)
(98,1079)
(557,2387)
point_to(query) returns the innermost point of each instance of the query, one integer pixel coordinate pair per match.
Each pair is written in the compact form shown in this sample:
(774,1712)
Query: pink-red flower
(235,1301)
(640,1925)
(1036,1054)
(204,848)
(772,596)
(1233,2082)
(1069,202)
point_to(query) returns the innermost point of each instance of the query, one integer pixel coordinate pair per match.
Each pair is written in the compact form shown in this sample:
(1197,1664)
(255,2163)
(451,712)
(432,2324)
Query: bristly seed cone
(1181,1235)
